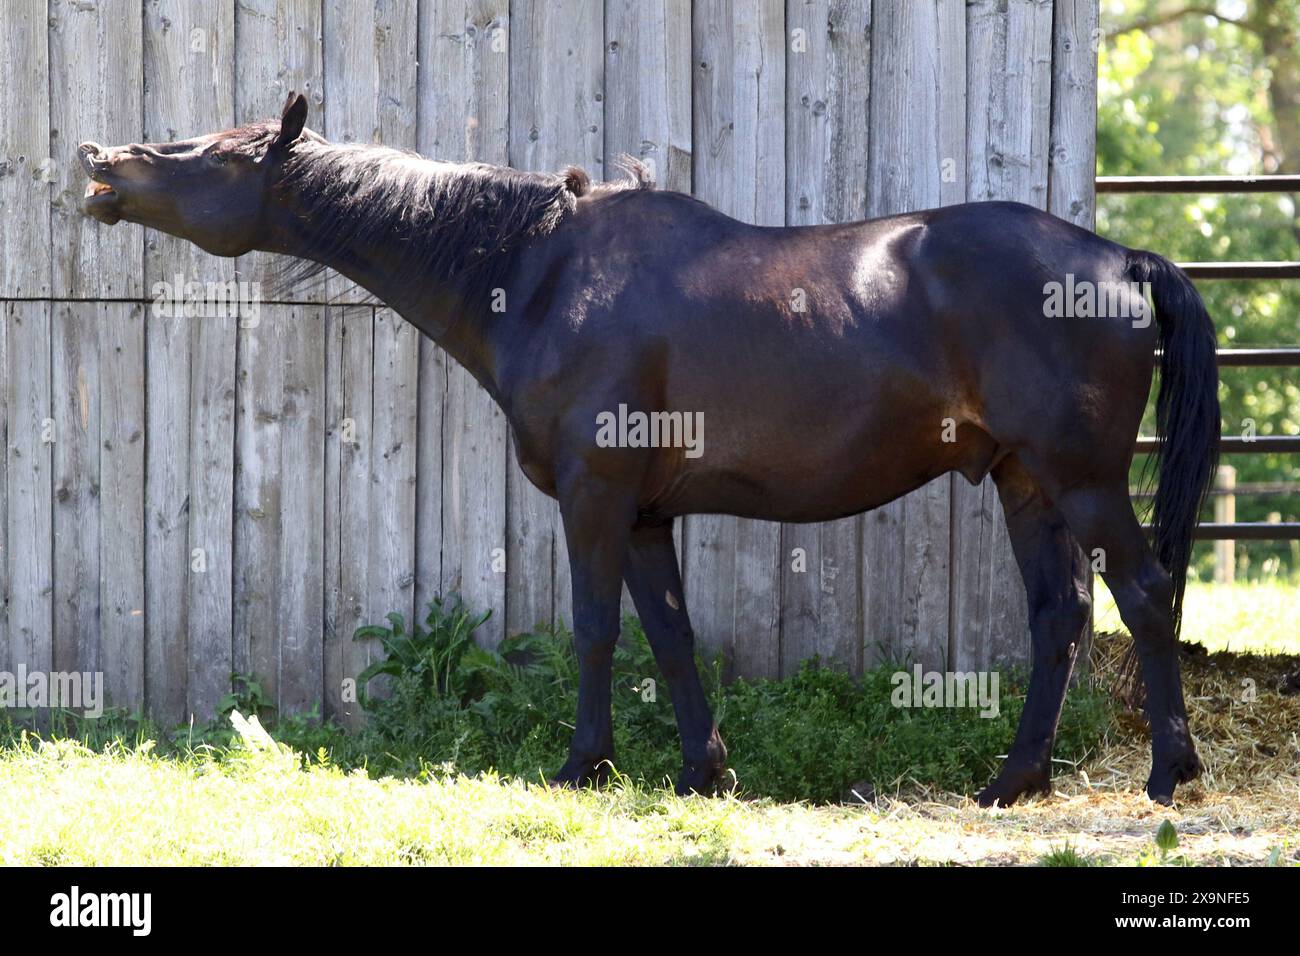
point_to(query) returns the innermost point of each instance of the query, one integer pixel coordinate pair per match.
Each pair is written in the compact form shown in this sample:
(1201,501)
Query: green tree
(1202,89)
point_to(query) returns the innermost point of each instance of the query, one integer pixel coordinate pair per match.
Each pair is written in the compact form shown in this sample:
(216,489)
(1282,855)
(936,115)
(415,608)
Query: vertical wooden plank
(370,97)
(1009,99)
(391,559)
(648,87)
(435,367)
(96,60)
(4,497)
(446,123)
(828,85)
(370,85)
(26,168)
(1073,145)
(556,119)
(917,131)
(473,507)
(167,504)
(121,502)
(732,567)
(258,519)
(301,570)
(211,518)
(30,462)
(278,49)
(350,396)
(189,90)
(556,83)
(76,412)
(337,665)
(279,507)
(1008,118)
(463,436)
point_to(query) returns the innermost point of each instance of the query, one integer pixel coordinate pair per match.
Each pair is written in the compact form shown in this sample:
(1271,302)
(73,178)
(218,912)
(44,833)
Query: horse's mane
(460,224)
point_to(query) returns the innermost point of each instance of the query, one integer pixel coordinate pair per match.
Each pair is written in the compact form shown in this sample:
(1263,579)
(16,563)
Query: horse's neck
(438,313)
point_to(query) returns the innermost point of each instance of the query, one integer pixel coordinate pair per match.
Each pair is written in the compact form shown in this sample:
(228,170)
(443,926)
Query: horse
(907,347)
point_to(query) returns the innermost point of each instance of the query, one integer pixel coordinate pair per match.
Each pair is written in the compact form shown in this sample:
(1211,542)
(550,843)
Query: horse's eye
(219,158)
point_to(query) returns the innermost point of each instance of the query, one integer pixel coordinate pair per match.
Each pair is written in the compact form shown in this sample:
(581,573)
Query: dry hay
(1244,809)
(1243,713)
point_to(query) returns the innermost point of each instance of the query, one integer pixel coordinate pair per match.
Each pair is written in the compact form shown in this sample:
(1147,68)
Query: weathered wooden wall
(132,440)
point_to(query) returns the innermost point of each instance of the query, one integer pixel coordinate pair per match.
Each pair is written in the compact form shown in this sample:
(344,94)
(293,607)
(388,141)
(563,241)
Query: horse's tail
(1187,414)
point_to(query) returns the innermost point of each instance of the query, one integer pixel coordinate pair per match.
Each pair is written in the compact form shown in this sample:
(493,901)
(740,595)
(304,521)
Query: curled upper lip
(91,162)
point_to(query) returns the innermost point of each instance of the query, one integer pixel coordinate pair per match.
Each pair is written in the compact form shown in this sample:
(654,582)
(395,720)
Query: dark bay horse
(904,348)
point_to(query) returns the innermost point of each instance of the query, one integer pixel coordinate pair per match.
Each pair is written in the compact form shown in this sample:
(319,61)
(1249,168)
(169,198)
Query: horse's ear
(292,119)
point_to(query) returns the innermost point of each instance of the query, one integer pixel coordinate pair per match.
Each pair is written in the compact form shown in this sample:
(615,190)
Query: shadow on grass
(818,736)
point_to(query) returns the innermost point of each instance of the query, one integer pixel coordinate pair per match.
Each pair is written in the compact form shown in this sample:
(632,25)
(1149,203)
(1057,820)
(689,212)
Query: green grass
(250,807)
(809,737)
(449,769)
(1067,856)
(815,736)
(258,803)
(1246,617)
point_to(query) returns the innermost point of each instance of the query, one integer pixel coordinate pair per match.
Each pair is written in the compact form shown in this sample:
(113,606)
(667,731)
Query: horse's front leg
(598,517)
(655,582)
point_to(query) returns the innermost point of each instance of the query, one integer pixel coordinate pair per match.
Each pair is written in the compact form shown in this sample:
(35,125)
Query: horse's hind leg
(655,583)
(1056,584)
(1103,519)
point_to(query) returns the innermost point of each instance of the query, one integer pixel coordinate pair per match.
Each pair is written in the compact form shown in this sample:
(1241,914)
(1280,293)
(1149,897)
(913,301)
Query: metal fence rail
(1198,184)
(1231,531)
(1241,270)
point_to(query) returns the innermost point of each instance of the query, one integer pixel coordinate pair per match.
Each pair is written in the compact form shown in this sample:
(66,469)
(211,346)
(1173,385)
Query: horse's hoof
(1169,774)
(579,772)
(1010,785)
(702,780)
(704,773)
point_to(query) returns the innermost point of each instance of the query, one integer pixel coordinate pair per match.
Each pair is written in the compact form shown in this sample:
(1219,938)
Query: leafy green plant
(439,656)
(453,707)
(1166,841)
(246,696)
(808,737)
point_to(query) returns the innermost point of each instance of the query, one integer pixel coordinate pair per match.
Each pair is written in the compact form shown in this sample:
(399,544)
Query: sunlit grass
(1245,617)
(63,804)
(250,801)
(131,806)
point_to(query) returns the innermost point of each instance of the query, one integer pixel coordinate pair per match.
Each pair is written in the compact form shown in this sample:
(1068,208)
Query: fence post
(1225,512)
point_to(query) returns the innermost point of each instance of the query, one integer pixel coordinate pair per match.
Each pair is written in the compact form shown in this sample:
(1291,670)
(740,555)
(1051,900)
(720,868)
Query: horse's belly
(787,482)
(818,498)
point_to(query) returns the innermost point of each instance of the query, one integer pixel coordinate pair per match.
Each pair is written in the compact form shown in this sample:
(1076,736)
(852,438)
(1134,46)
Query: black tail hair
(1187,414)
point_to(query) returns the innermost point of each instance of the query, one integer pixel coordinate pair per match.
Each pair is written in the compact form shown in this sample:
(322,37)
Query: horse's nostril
(90,149)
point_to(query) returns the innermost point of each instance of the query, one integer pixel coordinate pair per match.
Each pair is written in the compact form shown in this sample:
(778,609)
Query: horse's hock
(186,496)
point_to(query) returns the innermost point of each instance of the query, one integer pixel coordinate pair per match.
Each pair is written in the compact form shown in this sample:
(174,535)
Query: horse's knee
(594,642)
(1146,605)
(1059,620)
(594,650)
(675,651)
(1157,585)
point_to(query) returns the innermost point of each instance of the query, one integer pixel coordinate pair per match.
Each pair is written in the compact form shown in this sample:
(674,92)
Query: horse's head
(211,190)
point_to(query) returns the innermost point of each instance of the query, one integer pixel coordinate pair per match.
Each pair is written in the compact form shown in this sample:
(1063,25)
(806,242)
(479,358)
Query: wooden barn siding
(181,441)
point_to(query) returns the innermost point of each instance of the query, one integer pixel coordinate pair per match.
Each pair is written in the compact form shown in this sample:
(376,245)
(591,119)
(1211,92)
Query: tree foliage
(1184,92)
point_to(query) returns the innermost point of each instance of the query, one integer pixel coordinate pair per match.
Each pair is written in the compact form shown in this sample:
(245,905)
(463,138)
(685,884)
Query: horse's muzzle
(100,201)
